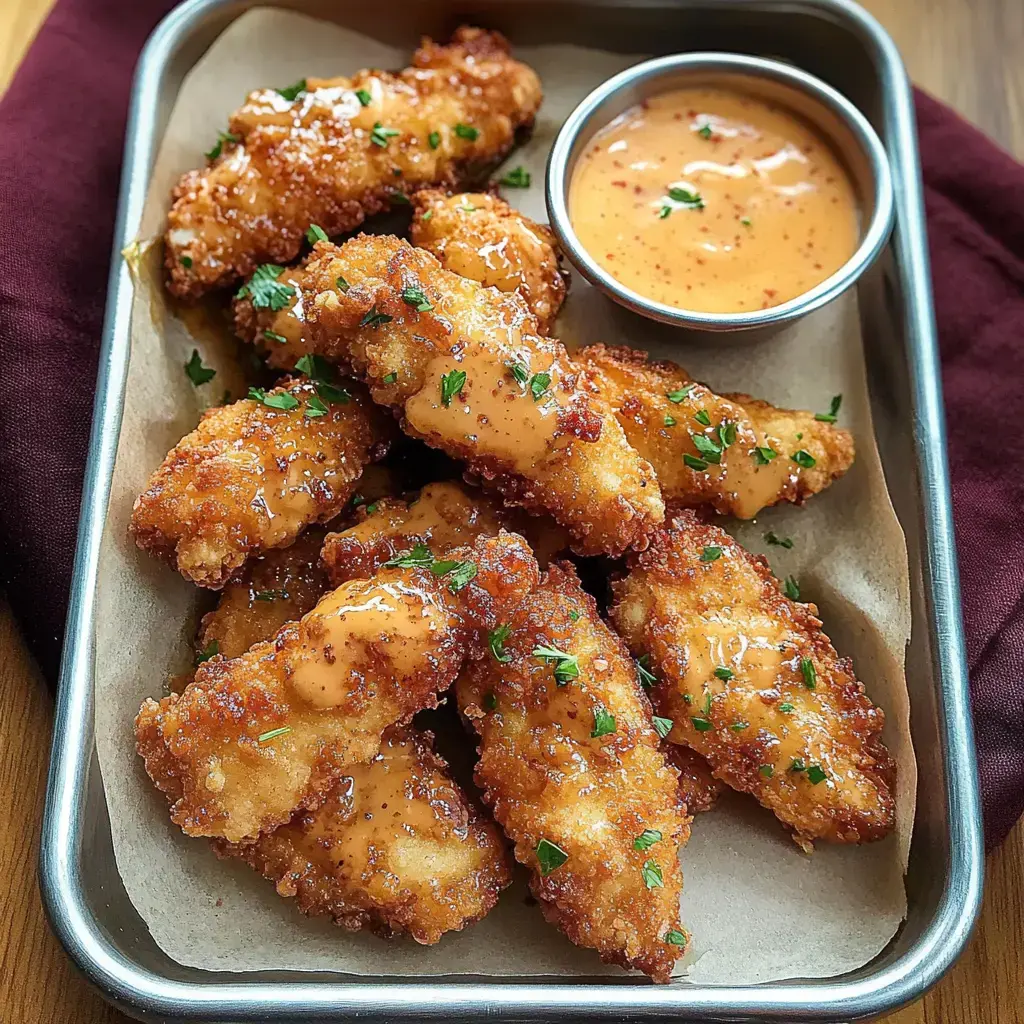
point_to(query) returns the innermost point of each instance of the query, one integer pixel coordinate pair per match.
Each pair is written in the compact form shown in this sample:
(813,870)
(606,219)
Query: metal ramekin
(834,116)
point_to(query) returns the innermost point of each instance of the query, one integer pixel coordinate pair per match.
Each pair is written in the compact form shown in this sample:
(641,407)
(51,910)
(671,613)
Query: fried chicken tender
(442,516)
(478,235)
(752,683)
(277,326)
(250,477)
(747,456)
(252,739)
(571,767)
(698,788)
(396,847)
(325,158)
(469,374)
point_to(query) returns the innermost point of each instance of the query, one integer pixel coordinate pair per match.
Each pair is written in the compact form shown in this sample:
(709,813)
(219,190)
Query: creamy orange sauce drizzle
(715,201)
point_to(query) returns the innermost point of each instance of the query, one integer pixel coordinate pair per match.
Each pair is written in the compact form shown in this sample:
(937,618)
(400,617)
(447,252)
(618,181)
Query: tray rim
(144,992)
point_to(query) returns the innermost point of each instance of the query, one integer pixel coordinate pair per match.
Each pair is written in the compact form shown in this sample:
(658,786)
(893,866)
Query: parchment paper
(759,909)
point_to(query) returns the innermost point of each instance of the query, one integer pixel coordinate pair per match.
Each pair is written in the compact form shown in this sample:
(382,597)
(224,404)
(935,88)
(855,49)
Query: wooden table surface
(968,52)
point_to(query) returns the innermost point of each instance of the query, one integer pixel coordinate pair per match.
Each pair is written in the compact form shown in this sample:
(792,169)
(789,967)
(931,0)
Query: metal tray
(840,43)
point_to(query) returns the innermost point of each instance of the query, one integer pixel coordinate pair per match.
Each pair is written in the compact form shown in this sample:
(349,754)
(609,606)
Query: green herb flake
(567,666)
(427,215)
(766,770)
(186,262)
(662,726)
(419,557)
(687,699)
(700,723)
(496,642)
(711,553)
(315,233)
(726,433)
(604,723)
(373,318)
(266,737)
(739,726)
(380,135)
(518,370)
(274,336)
(763,455)
(364,97)
(810,674)
(745,221)
(674,937)
(704,131)
(708,449)
(782,542)
(798,765)
(414,297)
(292,92)
(680,394)
(315,407)
(269,595)
(651,874)
(647,839)
(647,677)
(370,509)
(694,463)
(222,137)
(803,458)
(209,651)
(467,131)
(690,200)
(283,400)
(197,373)
(670,421)
(389,378)
(702,417)
(724,673)
(451,384)
(539,384)
(434,140)
(833,412)
(400,198)
(457,574)
(791,588)
(342,284)
(786,708)
(574,616)
(816,774)
(664,212)
(490,701)
(266,291)
(518,177)
(550,856)
(332,394)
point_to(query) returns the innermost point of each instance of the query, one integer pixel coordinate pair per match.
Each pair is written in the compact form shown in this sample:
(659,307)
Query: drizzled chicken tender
(250,478)
(252,739)
(325,158)
(571,767)
(478,235)
(752,683)
(442,516)
(755,469)
(469,374)
(276,325)
(395,846)
(698,788)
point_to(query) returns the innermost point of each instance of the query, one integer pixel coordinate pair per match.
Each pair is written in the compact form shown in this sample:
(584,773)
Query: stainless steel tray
(86,901)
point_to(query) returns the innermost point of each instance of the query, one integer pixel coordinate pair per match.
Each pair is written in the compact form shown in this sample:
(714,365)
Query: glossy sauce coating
(715,201)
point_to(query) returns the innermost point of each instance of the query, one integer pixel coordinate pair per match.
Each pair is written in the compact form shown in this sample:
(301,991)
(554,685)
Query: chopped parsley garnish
(342,284)
(766,770)
(434,140)
(518,177)
(315,407)
(370,509)
(574,616)
(690,200)
(269,595)
(804,459)
(702,417)
(664,212)
(186,262)
(315,233)
(380,135)
(687,698)
(400,198)
(519,370)
(678,396)
(373,318)
(490,701)
(670,421)
(785,707)
(292,92)
(604,723)
(662,726)
(539,384)
(798,765)
(322,374)
(549,856)
(467,131)
(364,97)
(332,393)
(458,574)
(739,726)
(704,131)
(274,336)
(496,641)
(266,737)
(419,557)
(810,674)
(816,774)
(745,221)
(389,378)
(197,373)
(763,455)
(651,874)
(700,723)
(694,463)
(208,652)
(674,937)
(414,297)
(451,384)
(265,290)
(726,433)
(791,588)
(711,553)
(283,401)
(222,137)
(647,677)
(782,542)
(647,839)
(709,449)
(724,673)
(567,666)
(833,411)
(427,215)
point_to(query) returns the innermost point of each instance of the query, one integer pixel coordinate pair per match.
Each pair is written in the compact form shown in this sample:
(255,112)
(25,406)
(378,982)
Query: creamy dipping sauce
(714,201)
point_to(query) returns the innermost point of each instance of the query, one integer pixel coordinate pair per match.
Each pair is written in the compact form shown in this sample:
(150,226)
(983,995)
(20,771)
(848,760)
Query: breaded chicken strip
(252,739)
(275,321)
(698,788)
(469,374)
(255,473)
(442,516)
(331,151)
(731,453)
(478,235)
(571,767)
(395,847)
(752,683)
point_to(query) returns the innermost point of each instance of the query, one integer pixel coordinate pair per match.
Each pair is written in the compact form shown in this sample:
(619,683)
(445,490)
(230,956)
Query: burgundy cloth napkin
(62,122)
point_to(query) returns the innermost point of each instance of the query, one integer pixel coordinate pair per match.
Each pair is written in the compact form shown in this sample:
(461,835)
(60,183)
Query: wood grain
(967,52)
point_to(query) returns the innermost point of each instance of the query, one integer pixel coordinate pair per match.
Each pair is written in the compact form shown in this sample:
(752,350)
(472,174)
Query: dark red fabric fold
(62,122)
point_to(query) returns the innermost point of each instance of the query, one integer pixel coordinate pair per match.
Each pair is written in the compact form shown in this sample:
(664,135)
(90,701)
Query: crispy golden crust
(441,516)
(249,478)
(369,655)
(791,724)
(395,847)
(744,481)
(698,788)
(314,159)
(542,438)
(546,777)
(478,235)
